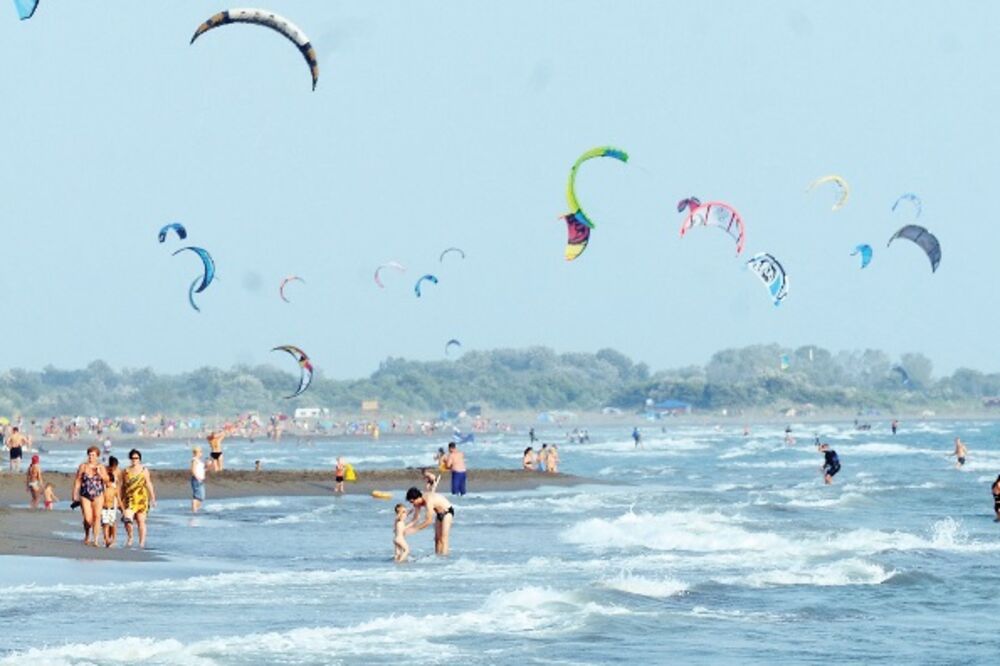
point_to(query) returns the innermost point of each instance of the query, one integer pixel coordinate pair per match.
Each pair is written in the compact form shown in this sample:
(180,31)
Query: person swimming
(831,463)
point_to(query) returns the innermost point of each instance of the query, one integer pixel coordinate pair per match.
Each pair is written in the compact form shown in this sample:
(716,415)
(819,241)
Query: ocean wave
(647,587)
(851,571)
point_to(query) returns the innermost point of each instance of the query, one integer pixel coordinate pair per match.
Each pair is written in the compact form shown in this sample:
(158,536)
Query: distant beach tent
(673,406)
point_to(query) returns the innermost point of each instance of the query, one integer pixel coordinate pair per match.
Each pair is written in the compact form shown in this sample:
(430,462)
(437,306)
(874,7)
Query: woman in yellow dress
(138,495)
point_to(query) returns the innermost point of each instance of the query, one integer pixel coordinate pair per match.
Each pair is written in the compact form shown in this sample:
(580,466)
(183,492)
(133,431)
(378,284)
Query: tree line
(535,378)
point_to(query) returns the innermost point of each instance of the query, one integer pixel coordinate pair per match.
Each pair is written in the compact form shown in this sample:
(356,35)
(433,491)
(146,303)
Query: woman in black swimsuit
(88,491)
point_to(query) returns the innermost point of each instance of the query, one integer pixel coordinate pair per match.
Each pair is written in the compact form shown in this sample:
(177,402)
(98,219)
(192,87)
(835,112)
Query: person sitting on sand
(109,512)
(34,481)
(88,491)
(50,496)
(338,475)
(402,549)
(439,511)
(528,461)
(959,453)
(215,444)
(831,463)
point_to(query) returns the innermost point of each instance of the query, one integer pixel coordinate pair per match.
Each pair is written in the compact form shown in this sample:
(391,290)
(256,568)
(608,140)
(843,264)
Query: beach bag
(349,474)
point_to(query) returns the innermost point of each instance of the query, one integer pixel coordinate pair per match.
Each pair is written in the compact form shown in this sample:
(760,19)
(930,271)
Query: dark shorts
(216,455)
(831,469)
(458,483)
(339,479)
(961,461)
(15,453)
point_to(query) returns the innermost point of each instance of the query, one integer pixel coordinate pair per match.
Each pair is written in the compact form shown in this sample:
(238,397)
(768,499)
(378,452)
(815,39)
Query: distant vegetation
(534,379)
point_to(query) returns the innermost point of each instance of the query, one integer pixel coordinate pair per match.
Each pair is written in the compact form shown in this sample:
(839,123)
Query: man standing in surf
(439,511)
(455,461)
(831,463)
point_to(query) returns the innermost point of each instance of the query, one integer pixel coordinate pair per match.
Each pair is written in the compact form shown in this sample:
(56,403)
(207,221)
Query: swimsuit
(961,460)
(442,514)
(832,465)
(48,504)
(91,486)
(15,453)
(339,479)
(216,455)
(458,483)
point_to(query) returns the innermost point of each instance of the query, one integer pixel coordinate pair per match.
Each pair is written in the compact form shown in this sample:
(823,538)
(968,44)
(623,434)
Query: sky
(438,124)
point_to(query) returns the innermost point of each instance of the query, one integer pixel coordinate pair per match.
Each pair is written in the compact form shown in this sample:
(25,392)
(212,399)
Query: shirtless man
(960,452)
(215,443)
(16,443)
(439,511)
(455,461)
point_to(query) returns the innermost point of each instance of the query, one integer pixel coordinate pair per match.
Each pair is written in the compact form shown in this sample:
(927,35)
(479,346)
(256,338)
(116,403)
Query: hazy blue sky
(455,123)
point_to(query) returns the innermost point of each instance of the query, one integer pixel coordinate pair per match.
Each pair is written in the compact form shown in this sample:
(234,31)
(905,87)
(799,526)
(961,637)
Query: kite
(177,227)
(208,262)
(845,190)
(452,249)
(865,251)
(269,20)
(578,225)
(714,214)
(26,8)
(281,289)
(904,376)
(451,343)
(918,206)
(306,376)
(771,273)
(429,278)
(392,264)
(191,294)
(925,239)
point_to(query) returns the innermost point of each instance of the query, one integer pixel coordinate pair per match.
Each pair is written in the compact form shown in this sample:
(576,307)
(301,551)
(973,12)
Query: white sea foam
(522,612)
(660,588)
(236,505)
(851,571)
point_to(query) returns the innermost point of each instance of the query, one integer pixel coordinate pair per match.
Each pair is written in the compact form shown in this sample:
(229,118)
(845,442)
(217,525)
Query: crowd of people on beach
(108,495)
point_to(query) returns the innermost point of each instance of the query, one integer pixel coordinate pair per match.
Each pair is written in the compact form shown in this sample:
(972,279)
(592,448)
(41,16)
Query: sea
(705,546)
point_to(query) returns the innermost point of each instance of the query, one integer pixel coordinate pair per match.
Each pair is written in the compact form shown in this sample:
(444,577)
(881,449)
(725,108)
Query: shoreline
(28,532)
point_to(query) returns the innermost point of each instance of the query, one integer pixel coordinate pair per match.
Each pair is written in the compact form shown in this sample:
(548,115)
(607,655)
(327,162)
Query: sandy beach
(27,532)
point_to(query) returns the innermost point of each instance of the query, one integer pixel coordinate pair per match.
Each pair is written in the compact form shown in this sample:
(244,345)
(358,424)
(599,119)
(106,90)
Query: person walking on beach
(109,512)
(439,511)
(338,476)
(959,453)
(895,426)
(215,444)
(15,444)
(50,496)
(138,496)
(88,492)
(637,437)
(831,463)
(34,482)
(197,479)
(455,462)
(531,436)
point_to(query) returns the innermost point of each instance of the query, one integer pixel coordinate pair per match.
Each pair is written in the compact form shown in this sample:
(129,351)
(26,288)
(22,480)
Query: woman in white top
(197,479)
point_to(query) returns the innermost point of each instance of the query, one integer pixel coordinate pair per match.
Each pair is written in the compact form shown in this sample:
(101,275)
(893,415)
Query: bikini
(442,514)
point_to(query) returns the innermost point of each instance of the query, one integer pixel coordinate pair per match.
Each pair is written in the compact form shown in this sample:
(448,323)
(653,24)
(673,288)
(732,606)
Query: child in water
(402,549)
(49,495)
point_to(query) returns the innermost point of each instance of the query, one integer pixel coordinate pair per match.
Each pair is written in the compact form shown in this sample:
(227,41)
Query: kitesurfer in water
(831,463)
(960,453)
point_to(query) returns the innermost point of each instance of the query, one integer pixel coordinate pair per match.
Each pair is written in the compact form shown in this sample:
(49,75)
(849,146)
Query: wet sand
(27,532)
